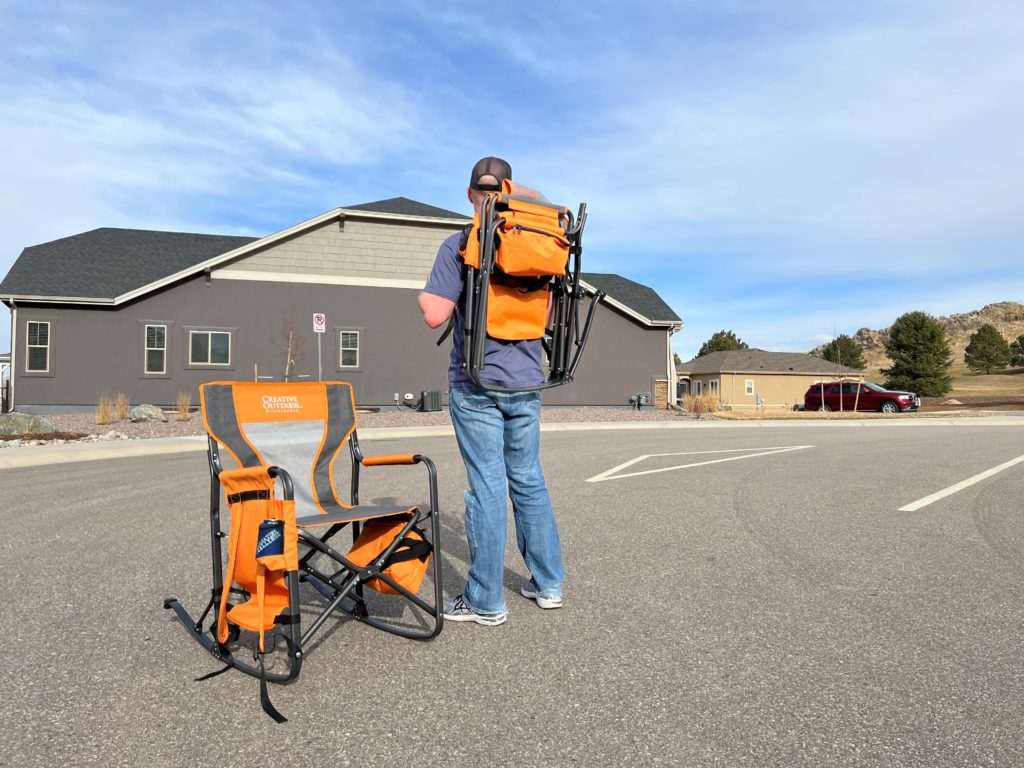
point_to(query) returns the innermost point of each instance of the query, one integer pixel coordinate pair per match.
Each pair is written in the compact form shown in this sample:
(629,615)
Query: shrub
(104,410)
(121,406)
(700,404)
(183,405)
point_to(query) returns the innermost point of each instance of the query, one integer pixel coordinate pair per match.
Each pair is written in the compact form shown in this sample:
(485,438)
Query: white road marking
(610,474)
(913,507)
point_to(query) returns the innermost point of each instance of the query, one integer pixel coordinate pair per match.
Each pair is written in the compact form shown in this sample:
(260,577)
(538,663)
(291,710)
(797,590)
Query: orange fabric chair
(289,497)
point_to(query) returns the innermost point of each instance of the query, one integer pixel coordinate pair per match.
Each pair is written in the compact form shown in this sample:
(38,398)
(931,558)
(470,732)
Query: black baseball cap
(490,166)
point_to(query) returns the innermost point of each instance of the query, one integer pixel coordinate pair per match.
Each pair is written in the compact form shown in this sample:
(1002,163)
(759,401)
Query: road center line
(914,506)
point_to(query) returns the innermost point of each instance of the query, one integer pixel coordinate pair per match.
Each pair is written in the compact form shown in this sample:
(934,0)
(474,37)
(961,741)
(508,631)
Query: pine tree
(845,351)
(987,350)
(920,355)
(722,340)
(1017,352)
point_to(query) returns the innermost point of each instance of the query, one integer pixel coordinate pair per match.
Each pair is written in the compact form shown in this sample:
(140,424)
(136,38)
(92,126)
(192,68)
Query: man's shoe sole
(487,621)
(543,602)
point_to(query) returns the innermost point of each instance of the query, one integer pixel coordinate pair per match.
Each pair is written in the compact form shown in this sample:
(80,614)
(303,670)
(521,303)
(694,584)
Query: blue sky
(784,170)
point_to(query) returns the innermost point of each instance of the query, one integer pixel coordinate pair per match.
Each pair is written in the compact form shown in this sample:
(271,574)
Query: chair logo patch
(279,403)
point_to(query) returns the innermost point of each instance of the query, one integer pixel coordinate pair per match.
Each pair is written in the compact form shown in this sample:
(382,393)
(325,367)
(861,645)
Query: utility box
(430,400)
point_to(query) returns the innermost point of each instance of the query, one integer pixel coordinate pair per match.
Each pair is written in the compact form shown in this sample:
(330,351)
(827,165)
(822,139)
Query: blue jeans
(499,438)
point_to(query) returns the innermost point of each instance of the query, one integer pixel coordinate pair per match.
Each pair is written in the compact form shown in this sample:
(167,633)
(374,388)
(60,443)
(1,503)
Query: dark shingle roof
(106,263)
(403,206)
(753,360)
(637,297)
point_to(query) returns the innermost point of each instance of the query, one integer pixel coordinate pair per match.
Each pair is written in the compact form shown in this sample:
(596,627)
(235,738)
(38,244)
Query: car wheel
(889,407)
(824,407)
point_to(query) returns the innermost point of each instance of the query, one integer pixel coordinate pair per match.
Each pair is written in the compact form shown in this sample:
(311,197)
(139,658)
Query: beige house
(752,378)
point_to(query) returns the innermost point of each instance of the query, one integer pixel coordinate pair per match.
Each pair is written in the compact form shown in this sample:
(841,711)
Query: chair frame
(567,336)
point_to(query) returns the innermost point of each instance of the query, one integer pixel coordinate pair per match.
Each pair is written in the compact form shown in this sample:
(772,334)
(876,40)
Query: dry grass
(104,410)
(700,404)
(121,406)
(967,383)
(183,406)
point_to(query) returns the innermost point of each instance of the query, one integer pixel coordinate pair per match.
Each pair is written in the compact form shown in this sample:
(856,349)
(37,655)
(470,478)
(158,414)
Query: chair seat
(352,514)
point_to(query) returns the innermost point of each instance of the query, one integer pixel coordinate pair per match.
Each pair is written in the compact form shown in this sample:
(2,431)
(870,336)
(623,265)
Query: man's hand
(436,309)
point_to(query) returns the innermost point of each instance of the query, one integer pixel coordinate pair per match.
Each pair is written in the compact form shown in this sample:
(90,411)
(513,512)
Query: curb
(30,456)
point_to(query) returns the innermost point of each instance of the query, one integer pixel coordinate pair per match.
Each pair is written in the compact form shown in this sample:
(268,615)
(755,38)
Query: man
(499,437)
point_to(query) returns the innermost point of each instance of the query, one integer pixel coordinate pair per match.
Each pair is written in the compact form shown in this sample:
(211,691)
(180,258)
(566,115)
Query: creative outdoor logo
(281,403)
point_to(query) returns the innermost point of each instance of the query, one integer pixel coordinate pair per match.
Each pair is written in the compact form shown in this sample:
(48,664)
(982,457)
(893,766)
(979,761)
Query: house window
(156,349)
(209,348)
(748,388)
(37,352)
(350,349)
(697,388)
(713,384)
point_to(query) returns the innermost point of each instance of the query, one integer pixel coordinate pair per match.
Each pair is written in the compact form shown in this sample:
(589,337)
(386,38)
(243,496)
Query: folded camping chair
(522,255)
(285,511)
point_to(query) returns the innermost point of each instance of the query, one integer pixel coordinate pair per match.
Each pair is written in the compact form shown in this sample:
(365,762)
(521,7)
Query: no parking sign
(319,322)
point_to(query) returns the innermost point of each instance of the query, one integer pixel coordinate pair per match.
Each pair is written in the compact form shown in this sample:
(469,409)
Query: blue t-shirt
(506,363)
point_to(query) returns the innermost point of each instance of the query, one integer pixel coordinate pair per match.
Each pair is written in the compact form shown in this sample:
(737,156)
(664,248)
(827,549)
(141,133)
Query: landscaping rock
(25,424)
(146,413)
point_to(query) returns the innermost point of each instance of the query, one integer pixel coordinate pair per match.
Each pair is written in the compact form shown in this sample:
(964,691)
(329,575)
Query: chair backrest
(301,427)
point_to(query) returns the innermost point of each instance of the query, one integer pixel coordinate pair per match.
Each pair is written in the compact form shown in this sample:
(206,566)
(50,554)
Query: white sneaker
(457,609)
(544,601)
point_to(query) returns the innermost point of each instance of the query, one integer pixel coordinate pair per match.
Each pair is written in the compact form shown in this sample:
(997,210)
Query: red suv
(851,395)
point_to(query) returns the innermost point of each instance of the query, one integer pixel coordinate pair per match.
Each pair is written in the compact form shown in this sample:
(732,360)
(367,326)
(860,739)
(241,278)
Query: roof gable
(403,206)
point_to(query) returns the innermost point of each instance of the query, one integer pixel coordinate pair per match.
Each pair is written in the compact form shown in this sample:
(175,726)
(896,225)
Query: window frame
(748,387)
(146,349)
(48,370)
(342,349)
(189,364)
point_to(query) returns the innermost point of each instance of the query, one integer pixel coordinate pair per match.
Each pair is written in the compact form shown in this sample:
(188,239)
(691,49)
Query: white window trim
(748,387)
(47,347)
(341,349)
(209,349)
(147,349)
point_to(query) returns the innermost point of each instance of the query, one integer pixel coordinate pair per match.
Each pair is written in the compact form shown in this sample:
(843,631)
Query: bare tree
(289,342)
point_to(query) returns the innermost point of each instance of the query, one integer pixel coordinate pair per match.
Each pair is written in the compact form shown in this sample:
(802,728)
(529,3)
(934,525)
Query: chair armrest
(392,458)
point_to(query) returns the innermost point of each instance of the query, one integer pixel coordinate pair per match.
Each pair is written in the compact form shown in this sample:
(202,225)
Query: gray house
(156,314)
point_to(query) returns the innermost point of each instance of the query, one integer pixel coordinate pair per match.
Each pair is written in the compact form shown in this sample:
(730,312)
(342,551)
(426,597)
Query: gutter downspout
(14,352)
(671,384)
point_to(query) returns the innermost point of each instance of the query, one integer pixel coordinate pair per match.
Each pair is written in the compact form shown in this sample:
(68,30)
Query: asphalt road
(772,609)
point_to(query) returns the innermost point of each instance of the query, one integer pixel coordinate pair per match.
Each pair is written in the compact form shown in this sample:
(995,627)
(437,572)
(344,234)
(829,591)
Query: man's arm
(436,309)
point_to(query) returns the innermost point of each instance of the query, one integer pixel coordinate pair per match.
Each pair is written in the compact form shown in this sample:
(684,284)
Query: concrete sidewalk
(37,455)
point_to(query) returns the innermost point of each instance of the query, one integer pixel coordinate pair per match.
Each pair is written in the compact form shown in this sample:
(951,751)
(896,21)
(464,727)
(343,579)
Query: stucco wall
(778,390)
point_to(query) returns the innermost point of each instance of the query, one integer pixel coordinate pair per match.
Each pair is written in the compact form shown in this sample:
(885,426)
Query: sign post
(319,328)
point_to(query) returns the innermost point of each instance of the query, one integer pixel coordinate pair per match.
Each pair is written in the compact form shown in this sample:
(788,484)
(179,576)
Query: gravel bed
(85,423)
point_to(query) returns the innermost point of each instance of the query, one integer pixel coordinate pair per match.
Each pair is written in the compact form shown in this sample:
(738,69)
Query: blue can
(271,538)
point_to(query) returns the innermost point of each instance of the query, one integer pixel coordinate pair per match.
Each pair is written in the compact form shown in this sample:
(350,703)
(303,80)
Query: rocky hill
(1006,316)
